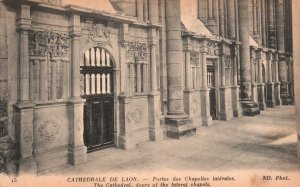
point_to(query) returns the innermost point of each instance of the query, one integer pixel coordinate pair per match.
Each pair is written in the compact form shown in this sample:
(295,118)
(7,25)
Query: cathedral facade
(80,76)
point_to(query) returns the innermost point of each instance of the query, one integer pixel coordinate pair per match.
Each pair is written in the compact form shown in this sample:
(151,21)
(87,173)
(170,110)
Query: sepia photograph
(149,93)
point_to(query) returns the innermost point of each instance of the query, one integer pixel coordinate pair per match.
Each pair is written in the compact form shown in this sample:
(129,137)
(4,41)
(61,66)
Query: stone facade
(165,72)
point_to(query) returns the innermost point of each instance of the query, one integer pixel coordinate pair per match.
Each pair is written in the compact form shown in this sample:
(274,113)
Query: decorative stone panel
(42,43)
(136,50)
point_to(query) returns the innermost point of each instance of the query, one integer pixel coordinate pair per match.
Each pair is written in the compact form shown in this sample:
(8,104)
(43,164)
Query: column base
(155,130)
(226,112)
(27,166)
(250,108)
(236,109)
(277,94)
(179,126)
(270,96)
(77,155)
(261,96)
(286,100)
(205,108)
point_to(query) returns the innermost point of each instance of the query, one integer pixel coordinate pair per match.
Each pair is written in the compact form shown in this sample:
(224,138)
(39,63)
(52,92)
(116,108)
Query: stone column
(276,81)
(283,72)
(188,80)
(77,150)
(231,18)
(221,21)
(270,85)
(250,108)
(140,9)
(283,78)
(24,107)
(177,122)
(43,80)
(153,11)
(139,78)
(204,90)
(260,85)
(53,79)
(263,22)
(271,28)
(235,88)
(226,112)
(253,82)
(155,131)
(145,7)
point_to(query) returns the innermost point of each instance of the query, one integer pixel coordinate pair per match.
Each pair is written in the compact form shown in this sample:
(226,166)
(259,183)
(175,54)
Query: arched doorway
(212,92)
(96,72)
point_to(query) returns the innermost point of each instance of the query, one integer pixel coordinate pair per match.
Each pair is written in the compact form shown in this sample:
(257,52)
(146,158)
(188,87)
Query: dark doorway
(97,88)
(212,92)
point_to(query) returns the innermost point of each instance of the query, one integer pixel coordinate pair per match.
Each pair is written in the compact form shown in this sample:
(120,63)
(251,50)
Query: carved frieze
(136,50)
(135,115)
(42,43)
(195,58)
(48,130)
(98,33)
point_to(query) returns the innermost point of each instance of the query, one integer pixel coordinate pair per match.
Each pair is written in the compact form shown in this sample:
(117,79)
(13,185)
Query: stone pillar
(276,81)
(270,85)
(253,82)
(231,18)
(24,107)
(260,85)
(263,22)
(204,90)
(221,21)
(250,108)
(43,80)
(155,131)
(283,78)
(153,11)
(226,112)
(146,13)
(235,88)
(139,77)
(140,9)
(77,150)
(188,81)
(271,28)
(177,122)
(53,79)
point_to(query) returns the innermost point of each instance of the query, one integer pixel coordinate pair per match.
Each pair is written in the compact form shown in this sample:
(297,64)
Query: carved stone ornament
(48,130)
(212,49)
(136,50)
(227,62)
(98,33)
(195,58)
(135,115)
(42,43)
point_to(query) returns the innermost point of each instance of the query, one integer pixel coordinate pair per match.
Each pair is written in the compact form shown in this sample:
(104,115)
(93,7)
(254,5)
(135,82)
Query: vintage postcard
(149,93)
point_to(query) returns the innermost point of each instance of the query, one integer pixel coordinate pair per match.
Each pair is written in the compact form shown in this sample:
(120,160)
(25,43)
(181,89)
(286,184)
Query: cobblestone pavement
(264,142)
